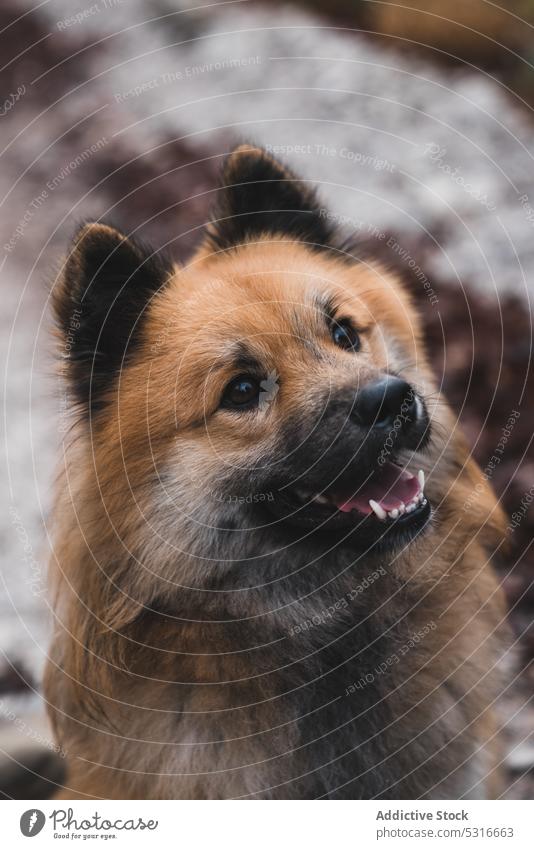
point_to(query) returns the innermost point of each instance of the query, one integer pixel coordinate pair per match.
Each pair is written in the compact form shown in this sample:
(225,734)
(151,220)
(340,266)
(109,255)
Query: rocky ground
(124,110)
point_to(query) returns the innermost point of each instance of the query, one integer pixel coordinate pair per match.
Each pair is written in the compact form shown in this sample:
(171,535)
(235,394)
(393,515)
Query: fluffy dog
(271,546)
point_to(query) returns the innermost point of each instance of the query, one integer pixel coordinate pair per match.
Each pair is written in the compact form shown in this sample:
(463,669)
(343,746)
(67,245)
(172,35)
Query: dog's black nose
(380,403)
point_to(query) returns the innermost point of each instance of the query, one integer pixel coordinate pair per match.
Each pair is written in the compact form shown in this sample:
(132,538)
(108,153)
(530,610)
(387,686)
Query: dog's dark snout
(378,404)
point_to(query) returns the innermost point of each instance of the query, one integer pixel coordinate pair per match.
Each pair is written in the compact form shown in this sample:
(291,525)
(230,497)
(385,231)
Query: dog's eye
(344,335)
(241,392)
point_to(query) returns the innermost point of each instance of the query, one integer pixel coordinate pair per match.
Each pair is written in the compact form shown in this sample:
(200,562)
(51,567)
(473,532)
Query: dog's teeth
(320,499)
(393,514)
(421,479)
(410,507)
(377,510)
(402,508)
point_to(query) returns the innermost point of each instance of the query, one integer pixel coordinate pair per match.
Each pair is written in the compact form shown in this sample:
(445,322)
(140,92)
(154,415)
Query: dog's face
(272,384)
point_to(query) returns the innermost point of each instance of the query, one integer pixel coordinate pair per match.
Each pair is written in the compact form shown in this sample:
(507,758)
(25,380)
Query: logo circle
(32,822)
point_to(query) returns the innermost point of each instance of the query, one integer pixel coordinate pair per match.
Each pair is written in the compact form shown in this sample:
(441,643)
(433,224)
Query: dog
(271,558)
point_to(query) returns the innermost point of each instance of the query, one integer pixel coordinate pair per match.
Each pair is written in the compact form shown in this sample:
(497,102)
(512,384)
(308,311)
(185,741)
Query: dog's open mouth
(389,493)
(390,498)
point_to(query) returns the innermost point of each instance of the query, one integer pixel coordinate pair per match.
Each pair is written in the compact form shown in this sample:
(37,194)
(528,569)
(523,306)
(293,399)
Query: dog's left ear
(259,196)
(100,300)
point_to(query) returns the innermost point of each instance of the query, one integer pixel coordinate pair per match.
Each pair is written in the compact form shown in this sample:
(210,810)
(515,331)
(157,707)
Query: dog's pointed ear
(100,298)
(259,196)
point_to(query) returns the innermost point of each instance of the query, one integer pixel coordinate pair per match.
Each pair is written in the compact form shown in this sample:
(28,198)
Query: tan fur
(132,523)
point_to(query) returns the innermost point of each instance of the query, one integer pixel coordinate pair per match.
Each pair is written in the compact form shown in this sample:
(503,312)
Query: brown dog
(271,547)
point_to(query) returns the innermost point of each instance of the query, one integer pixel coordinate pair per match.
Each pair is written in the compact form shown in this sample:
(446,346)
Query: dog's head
(274,383)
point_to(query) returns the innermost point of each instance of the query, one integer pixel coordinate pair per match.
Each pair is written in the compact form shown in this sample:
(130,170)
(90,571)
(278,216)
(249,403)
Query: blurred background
(417,126)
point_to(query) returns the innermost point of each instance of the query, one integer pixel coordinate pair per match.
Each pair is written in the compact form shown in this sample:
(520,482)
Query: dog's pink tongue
(389,487)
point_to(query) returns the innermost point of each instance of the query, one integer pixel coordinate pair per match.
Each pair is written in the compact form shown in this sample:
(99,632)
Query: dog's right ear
(100,300)
(260,197)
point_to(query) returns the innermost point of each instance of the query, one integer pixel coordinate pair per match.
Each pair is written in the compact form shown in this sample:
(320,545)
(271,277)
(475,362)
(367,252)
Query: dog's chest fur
(263,711)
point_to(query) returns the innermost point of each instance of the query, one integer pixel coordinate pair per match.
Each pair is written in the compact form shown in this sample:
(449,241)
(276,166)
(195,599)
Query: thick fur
(203,649)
